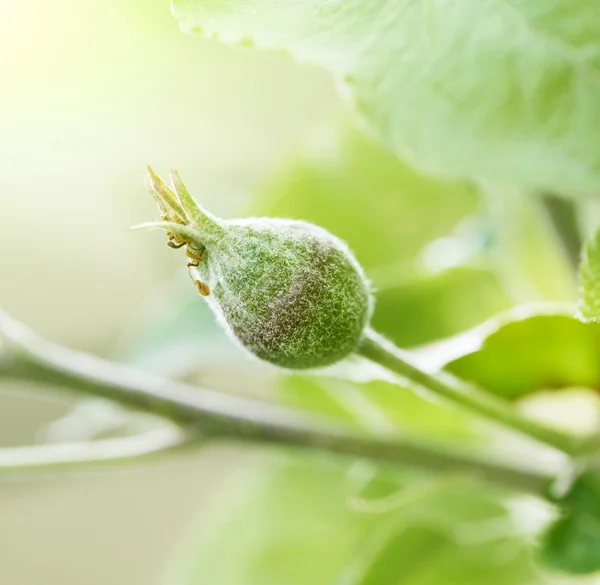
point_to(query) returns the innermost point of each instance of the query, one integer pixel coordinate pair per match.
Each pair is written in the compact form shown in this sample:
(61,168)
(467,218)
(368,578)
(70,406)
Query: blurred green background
(92,91)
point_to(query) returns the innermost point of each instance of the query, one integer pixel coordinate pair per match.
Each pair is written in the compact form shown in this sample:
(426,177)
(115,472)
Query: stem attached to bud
(378,350)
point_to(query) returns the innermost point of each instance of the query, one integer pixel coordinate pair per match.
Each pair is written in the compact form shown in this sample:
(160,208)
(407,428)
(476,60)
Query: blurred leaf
(537,352)
(376,406)
(503,91)
(288,525)
(432,555)
(437,306)
(572,542)
(384,210)
(589,279)
(294,525)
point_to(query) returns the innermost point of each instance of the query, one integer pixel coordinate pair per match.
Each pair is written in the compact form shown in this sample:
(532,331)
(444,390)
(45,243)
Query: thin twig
(42,458)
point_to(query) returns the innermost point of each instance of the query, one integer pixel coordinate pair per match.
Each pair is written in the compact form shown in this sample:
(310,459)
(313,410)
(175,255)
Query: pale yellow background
(90,92)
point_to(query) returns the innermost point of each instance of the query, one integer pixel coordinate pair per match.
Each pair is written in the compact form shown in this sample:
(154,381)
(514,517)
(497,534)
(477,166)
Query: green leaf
(572,542)
(504,91)
(589,279)
(526,353)
(295,525)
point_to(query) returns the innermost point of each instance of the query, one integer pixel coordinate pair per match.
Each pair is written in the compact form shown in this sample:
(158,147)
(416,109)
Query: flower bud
(288,291)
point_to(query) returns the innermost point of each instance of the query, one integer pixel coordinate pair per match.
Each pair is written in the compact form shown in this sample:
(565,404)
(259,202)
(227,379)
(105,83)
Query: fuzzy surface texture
(290,292)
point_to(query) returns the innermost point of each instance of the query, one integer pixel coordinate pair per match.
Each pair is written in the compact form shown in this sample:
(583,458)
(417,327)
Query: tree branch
(214,415)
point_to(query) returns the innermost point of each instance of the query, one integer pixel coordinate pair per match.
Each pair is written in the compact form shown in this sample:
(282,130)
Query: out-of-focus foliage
(589,279)
(377,406)
(438,305)
(538,352)
(572,541)
(280,525)
(383,209)
(501,91)
(305,522)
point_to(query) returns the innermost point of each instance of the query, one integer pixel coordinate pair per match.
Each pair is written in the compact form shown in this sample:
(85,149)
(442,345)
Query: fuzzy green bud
(288,291)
